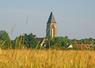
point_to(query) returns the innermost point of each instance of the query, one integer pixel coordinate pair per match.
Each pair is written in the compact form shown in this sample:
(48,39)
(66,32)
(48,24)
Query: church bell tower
(51,29)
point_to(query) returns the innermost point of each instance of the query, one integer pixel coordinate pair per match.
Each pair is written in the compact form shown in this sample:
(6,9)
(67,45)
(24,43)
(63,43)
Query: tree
(25,41)
(30,41)
(5,40)
(59,42)
(19,42)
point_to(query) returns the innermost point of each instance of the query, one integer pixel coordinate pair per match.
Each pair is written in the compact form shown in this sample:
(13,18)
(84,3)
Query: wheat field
(47,59)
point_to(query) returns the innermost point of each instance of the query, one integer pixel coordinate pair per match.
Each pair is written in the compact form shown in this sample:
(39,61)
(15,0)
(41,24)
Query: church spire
(51,18)
(51,30)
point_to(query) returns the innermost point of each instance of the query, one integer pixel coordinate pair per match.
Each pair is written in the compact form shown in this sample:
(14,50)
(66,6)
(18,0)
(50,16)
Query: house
(83,46)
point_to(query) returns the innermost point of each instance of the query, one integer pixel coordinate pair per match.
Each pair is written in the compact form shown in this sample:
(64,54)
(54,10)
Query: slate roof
(51,18)
(40,39)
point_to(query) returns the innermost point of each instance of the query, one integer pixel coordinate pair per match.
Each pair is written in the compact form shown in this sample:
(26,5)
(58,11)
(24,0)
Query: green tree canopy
(5,40)
(59,42)
(25,41)
(30,41)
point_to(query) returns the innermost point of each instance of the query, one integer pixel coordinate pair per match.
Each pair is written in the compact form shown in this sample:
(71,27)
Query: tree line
(29,41)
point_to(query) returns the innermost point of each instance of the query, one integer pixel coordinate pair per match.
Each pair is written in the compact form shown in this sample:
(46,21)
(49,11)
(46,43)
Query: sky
(75,18)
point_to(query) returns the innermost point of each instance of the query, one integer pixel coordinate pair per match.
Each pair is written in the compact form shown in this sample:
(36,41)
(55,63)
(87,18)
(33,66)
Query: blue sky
(75,18)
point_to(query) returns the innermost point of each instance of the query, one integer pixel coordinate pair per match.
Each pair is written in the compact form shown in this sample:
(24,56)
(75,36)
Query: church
(51,31)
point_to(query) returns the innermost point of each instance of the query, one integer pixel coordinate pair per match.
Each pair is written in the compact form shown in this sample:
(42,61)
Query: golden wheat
(47,59)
